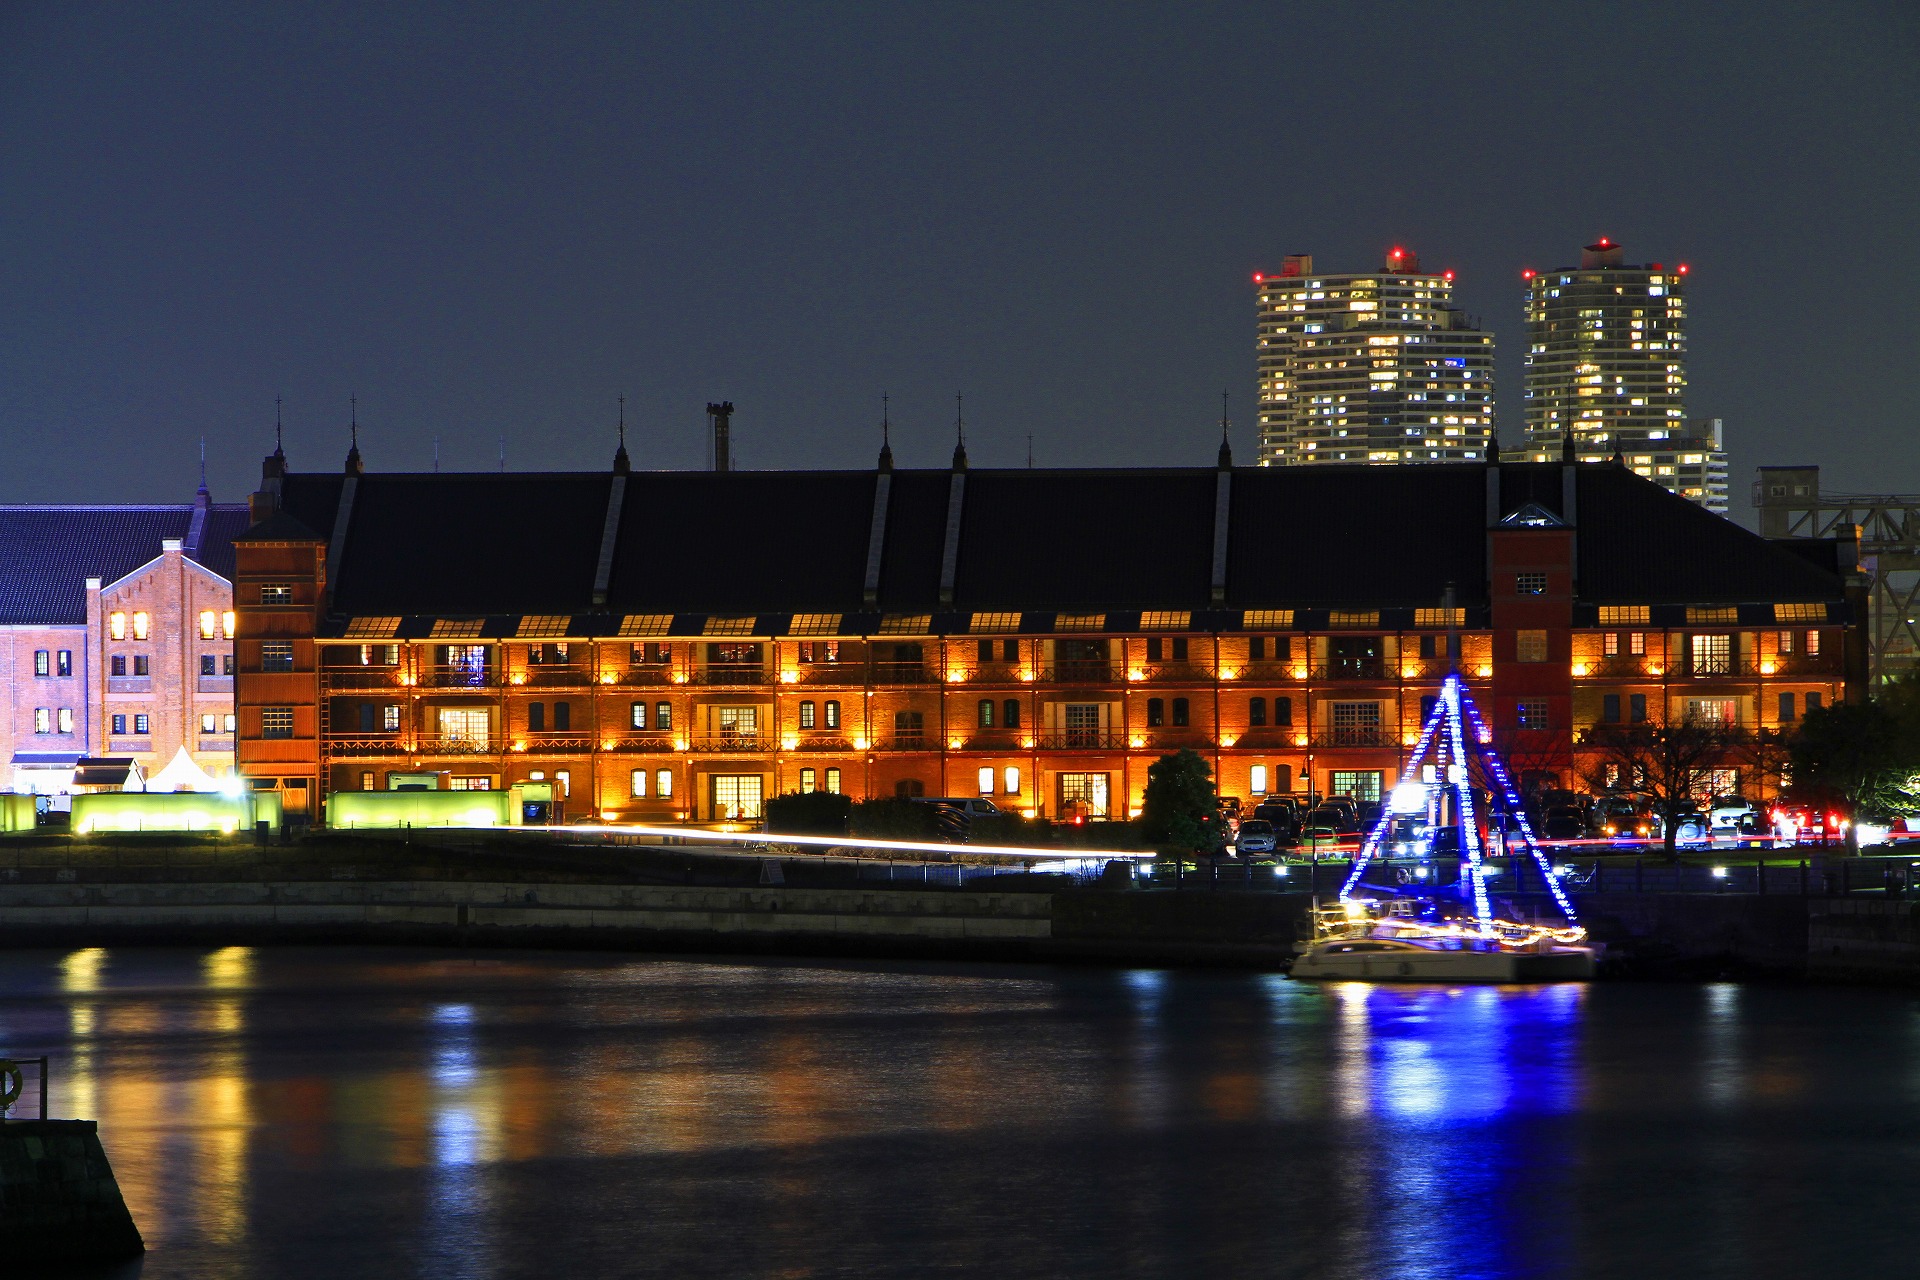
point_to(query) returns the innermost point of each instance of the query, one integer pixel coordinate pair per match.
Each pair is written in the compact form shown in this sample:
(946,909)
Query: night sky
(496,219)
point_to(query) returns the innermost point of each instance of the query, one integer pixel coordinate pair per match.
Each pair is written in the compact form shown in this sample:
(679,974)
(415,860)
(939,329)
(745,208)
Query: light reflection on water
(291,1113)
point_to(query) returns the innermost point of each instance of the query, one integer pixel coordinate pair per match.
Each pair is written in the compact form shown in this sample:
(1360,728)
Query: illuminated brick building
(115,636)
(678,646)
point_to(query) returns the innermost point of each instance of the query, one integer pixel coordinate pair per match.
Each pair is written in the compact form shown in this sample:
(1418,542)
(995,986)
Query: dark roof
(47,553)
(1312,538)
(280,526)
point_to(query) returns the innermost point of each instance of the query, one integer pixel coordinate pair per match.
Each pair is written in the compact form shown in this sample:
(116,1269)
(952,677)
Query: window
(207,622)
(226,664)
(1009,651)
(1361,784)
(1610,708)
(1813,644)
(140,664)
(1257,780)
(807,784)
(1358,657)
(1283,710)
(1083,795)
(208,666)
(1637,708)
(662,715)
(42,662)
(1532,714)
(1180,712)
(366,779)
(208,721)
(638,783)
(536,717)
(830,711)
(637,714)
(1610,644)
(1154,648)
(276,655)
(472,783)
(228,723)
(1082,724)
(1785,642)
(833,781)
(140,625)
(983,651)
(738,722)
(1530,646)
(1712,655)
(985,713)
(1530,584)
(985,779)
(276,593)
(1011,718)
(1713,710)
(1156,712)
(1786,708)
(562,717)
(465,725)
(1010,779)
(908,788)
(908,725)
(565,779)
(117,626)
(275,722)
(140,723)
(1256,712)
(42,720)
(1356,723)
(736,797)
(1637,642)
(663,784)
(1813,703)
(656,654)
(1179,648)
(390,717)
(119,724)
(226,624)
(808,712)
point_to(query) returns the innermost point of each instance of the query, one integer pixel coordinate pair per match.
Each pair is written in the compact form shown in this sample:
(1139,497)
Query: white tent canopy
(182,774)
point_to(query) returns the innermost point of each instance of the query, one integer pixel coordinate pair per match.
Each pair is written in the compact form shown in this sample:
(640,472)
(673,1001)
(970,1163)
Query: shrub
(895,818)
(810,813)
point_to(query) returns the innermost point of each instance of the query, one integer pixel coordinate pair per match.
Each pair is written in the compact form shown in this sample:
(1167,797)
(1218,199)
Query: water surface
(373,1113)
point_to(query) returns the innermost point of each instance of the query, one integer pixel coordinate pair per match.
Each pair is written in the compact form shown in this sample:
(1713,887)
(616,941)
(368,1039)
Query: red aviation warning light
(1257,277)
(1604,242)
(1683,268)
(1447,275)
(1527,274)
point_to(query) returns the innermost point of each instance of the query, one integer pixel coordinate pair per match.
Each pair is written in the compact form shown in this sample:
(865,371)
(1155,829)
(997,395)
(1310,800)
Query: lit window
(638,715)
(276,655)
(276,593)
(1637,642)
(275,722)
(832,709)
(1530,584)
(1530,646)
(207,722)
(807,784)
(986,780)
(227,723)
(1532,714)
(1009,777)
(1813,644)
(117,626)
(1257,780)
(119,724)
(390,718)
(663,784)
(226,624)
(140,625)
(206,624)
(663,715)
(807,713)
(42,720)
(140,723)
(833,781)
(639,784)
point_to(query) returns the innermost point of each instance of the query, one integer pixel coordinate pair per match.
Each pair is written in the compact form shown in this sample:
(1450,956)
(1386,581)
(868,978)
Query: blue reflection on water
(1448,1088)
(456,1236)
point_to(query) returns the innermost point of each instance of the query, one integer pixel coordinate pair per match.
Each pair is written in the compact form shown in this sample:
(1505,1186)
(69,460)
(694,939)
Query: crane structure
(1886,528)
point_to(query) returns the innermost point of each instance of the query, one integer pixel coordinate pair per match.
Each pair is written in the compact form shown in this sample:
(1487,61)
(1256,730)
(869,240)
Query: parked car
(1731,811)
(1691,826)
(1563,822)
(1256,836)
(1338,820)
(1622,816)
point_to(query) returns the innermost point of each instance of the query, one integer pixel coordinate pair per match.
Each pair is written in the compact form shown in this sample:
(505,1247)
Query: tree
(811,813)
(1668,761)
(1866,754)
(1180,807)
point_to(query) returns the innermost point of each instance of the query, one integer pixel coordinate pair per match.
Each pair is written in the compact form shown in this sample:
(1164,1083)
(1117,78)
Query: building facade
(679,646)
(116,636)
(1375,367)
(1607,362)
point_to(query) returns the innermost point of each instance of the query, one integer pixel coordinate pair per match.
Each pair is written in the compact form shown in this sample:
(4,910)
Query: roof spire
(886,432)
(1566,445)
(203,464)
(959,432)
(278,450)
(1226,447)
(620,463)
(353,426)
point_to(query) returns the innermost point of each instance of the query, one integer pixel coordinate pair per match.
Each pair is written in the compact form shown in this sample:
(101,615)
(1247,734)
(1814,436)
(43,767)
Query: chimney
(720,415)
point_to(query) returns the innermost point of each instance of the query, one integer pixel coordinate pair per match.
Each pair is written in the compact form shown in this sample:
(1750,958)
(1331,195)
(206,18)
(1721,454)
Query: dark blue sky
(487,219)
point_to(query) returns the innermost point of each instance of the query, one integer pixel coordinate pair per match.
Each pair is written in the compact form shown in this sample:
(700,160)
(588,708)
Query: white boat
(1387,942)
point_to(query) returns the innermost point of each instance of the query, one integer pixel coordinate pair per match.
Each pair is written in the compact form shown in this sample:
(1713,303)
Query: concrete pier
(59,1203)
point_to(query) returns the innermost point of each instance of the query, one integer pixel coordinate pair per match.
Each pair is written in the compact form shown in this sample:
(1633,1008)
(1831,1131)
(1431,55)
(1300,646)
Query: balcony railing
(1176,673)
(350,678)
(732,673)
(744,742)
(990,673)
(646,743)
(840,673)
(904,673)
(548,744)
(442,677)
(1079,740)
(1078,673)
(1357,736)
(549,675)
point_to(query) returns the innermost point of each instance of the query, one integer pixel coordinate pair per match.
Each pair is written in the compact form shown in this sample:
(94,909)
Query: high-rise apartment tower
(1607,361)
(1380,367)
